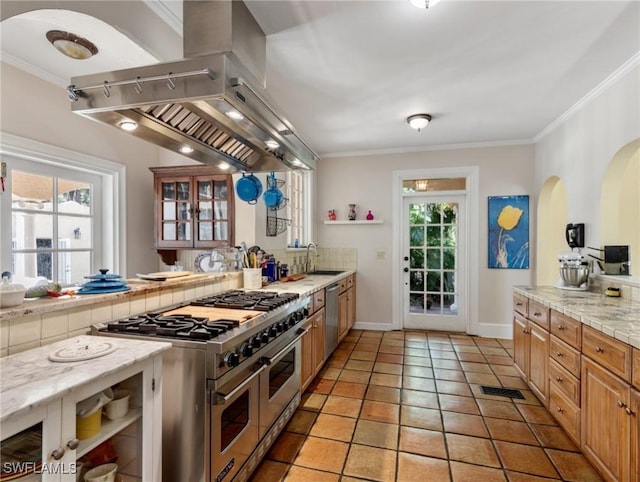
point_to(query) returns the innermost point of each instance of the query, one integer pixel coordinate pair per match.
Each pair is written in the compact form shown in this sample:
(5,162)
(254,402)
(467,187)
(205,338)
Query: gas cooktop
(247,300)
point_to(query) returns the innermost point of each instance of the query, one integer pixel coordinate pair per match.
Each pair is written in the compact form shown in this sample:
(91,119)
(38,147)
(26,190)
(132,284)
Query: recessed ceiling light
(71,45)
(419,121)
(235,115)
(423,3)
(128,126)
(272,144)
(297,162)
(186,149)
(224,166)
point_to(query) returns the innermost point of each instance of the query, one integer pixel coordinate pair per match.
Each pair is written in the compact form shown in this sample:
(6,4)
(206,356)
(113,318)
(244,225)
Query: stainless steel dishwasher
(331,319)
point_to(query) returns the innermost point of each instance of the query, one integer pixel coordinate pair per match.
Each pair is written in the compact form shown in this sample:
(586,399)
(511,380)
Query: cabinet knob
(537,313)
(518,304)
(57,454)
(629,411)
(73,443)
(599,349)
(560,354)
(621,404)
(561,327)
(559,379)
(560,409)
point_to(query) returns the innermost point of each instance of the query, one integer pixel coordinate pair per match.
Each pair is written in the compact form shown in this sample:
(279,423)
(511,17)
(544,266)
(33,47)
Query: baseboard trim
(493,330)
(362,325)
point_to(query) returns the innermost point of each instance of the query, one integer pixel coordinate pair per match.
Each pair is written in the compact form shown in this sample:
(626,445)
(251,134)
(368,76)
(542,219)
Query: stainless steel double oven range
(229,385)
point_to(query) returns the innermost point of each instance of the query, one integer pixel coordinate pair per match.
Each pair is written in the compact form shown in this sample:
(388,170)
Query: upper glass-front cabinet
(194,208)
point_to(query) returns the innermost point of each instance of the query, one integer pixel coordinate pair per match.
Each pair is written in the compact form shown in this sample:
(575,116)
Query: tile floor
(407,406)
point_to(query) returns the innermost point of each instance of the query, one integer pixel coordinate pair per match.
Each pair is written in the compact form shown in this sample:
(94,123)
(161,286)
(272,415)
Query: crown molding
(169,15)
(33,70)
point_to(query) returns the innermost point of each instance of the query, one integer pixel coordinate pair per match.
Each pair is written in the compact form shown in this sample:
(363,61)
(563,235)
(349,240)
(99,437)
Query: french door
(434,262)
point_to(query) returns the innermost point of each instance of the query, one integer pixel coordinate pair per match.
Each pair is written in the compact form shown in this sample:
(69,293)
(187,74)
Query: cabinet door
(318,339)
(351,307)
(213,211)
(606,427)
(520,345)
(634,414)
(539,362)
(307,364)
(343,315)
(174,212)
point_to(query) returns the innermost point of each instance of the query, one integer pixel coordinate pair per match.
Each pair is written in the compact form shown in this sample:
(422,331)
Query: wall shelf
(357,221)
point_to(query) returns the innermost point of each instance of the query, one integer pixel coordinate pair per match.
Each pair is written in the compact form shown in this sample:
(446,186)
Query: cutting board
(293,277)
(215,314)
(163,275)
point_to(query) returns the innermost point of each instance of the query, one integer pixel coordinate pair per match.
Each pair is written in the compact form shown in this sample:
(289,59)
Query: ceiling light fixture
(419,121)
(422,184)
(235,115)
(272,144)
(128,125)
(224,166)
(186,149)
(424,3)
(71,45)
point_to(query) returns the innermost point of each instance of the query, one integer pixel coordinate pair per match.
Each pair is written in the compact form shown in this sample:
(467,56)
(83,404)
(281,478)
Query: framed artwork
(509,232)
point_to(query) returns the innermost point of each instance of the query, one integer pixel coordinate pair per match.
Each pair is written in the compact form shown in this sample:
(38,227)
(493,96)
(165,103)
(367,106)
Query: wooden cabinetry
(635,435)
(531,348)
(313,350)
(346,306)
(194,207)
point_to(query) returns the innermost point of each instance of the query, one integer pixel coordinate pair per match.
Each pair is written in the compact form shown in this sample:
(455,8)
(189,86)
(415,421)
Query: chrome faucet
(307,266)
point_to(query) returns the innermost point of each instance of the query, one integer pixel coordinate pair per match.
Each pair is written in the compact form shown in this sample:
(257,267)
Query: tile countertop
(616,317)
(307,285)
(29,379)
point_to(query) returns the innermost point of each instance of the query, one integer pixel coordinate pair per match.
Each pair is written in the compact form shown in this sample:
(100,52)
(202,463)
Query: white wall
(367,182)
(580,149)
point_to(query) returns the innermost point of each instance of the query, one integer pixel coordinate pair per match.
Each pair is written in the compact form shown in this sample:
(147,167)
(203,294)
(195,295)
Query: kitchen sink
(326,272)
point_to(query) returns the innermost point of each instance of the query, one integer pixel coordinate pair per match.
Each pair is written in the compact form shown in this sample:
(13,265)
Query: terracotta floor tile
(333,427)
(573,466)
(496,409)
(371,335)
(301,421)
(510,431)
(354,376)
(529,398)
(487,342)
(525,458)
(422,442)
(286,447)
(466,349)
(376,434)
(419,398)
(386,380)
(476,367)
(505,370)
(445,355)
(371,463)
(457,403)
(538,415)
(452,375)
(362,365)
(417,361)
(520,477)
(483,379)
(380,411)
(419,417)
(363,355)
(347,407)
(322,454)
(271,471)
(390,368)
(302,474)
(512,382)
(350,337)
(499,360)
(553,437)
(335,363)
(340,354)
(506,343)
(390,358)
(415,383)
(395,350)
(383,394)
(471,357)
(472,473)
(473,450)
(348,389)
(461,340)
(416,344)
(330,373)
(450,364)
(490,350)
(417,352)
(465,424)
(418,371)
(412,468)
(391,342)
(440,344)
(321,385)
(312,401)
(346,345)
(369,347)
(453,388)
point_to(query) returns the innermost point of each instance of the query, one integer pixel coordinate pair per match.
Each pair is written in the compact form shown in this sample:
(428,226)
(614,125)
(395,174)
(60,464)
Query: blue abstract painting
(509,232)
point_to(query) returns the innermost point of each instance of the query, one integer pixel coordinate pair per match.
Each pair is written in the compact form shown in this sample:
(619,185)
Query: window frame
(50,158)
(306,208)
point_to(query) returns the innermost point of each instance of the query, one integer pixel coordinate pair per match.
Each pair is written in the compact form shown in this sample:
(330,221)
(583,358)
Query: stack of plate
(103,283)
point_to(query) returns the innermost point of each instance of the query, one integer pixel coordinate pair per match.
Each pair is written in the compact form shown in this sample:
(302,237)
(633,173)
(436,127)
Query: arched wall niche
(620,203)
(552,215)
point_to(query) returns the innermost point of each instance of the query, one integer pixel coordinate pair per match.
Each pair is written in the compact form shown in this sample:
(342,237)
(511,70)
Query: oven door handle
(268,360)
(221,398)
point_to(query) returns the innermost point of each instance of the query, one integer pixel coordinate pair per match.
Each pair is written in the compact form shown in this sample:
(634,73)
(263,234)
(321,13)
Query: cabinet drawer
(350,281)
(565,356)
(317,300)
(636,368)
(608,352)
(343,285)
(567,329)
(564,381)
(538,313)
(565,412)
(520,304)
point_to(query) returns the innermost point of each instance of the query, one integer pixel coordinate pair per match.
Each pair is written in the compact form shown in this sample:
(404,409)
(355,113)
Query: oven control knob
(305,312)
(300,315)
(255,341)
(292,321)
(246,350)
(281,326)
(264,337)
(231,359)
(273,331)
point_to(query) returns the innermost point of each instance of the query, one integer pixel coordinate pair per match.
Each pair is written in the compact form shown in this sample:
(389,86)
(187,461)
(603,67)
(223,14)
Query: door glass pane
(168,211)
(168,191)
(449,304)
(416,236)
(221,231)
(433,214)
(183,191)
(220,189)
(448,282)
(169,231)
(74,197)
(433,236)
(220,210)
(205,210)
(204,190)
(416,303)
(205,231)
(450,213)
(417,213)
(26,228)
(416,258)
(416,281)
(234,419)
(183,211)
(449,236)
(281,372)
(449,261)
(433,258)
(184,231)
(433,281)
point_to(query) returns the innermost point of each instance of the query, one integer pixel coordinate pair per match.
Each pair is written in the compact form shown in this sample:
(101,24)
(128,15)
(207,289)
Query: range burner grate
(247,300)
(182,326)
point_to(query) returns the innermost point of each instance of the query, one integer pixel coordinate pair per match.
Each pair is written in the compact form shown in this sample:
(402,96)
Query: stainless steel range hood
(212,101)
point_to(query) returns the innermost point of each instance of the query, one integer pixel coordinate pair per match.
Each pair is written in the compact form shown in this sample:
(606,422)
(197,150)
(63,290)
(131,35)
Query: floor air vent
(502,392)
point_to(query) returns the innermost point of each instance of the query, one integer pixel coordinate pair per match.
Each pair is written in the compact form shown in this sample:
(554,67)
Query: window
(62,220)
(299,207)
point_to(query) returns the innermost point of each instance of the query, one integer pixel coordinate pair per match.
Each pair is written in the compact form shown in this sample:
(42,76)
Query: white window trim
(112,174)
(308,186)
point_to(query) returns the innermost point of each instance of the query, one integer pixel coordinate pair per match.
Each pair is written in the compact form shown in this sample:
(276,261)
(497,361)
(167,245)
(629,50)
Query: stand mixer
(574,272)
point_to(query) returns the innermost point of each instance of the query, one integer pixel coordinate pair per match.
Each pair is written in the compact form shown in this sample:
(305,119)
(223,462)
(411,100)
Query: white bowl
(119,406)
(11,295)
(102,473)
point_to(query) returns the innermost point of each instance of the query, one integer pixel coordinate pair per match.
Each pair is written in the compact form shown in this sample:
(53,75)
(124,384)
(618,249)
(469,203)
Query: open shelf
(356,221)
(108,430)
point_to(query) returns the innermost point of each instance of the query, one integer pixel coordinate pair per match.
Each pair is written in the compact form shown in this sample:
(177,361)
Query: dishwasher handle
(333,287)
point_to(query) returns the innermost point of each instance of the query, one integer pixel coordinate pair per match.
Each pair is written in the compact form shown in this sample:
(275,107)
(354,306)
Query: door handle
(406,258)
(406,270)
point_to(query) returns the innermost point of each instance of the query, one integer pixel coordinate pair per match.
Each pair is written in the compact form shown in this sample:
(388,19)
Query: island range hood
(210,106)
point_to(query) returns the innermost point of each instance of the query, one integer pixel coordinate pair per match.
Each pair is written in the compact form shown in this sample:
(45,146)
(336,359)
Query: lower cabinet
(346,306)
(531,355)
(635,435)
(312,347)
(343,315)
